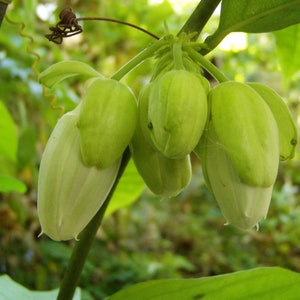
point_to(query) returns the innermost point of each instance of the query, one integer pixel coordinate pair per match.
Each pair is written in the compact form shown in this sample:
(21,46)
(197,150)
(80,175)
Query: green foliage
(10,290)
(288,45)
(128,190)
(8,135)
(266,283)
(8,153)
(9,184)
(254,16)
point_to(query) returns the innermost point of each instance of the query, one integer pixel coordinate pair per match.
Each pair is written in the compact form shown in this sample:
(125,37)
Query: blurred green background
(152,238)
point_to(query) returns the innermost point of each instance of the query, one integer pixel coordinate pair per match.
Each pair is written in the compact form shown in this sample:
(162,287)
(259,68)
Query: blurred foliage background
(181,237)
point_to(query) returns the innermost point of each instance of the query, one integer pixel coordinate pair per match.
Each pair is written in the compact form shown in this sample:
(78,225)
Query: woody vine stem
(195,23)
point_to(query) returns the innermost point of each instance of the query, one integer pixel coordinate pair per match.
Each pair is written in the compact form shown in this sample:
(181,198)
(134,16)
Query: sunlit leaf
(8,135)
(27,144)
(129,189)
(254,16)
(288,48)
(261,283)
(11,290)
(11,184)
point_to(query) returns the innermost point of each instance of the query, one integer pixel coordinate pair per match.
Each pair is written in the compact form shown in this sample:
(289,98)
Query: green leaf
(262,283)
(254,16)
(11,184)
(8,135)
(65,69)
(11,290)
(288,49)
(129,189)
(27,143)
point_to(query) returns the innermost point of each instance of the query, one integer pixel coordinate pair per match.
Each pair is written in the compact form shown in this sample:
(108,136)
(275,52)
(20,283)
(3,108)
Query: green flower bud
(107,122)
(247,131)
(177,112)
(69,192)
(143,107)
(164,176)
(243,205)
(205,83)
(240,153)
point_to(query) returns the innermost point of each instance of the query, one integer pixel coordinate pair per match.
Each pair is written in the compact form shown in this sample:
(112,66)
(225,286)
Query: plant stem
(119,22)
(177,56)
(86,238)
(3,7)
(135,61)
(206,64)
(199,17)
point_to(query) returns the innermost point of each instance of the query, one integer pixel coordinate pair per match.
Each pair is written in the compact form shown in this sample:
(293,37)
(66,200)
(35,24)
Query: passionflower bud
(69,192)
(107,122)
(177,112)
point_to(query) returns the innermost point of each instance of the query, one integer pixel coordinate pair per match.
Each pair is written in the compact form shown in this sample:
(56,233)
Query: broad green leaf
(288,49)
(129,189)
(65,69)
(262,283)
(254,16)
(27,143)
(8,135)
(11,290)
(11,184)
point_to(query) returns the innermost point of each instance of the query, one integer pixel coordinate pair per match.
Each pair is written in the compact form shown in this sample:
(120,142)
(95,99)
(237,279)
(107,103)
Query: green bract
(65,69)
(247,131)
(69,192)
(107,122)
(286,126)
(164,176)
(177,112)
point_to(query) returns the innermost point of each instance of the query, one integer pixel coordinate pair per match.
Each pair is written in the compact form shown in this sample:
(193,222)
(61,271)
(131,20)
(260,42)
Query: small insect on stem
(68,26)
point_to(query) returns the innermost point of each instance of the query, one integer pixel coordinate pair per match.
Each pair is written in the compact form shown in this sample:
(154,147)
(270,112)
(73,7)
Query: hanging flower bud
(143,119)
(247,130)
(69,192)
(240,153)
(177,112)
(243,205)
(107,122)
(164,176)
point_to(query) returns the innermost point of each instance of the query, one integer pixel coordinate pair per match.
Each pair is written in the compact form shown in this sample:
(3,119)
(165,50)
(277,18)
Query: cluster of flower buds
(240,132)
(249,130)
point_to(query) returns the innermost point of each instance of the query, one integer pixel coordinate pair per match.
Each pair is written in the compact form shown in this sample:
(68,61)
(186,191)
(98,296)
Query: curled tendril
(67,26)
(29,50)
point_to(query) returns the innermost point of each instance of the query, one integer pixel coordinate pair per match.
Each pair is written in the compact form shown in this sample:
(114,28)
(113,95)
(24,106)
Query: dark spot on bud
(293,141)
(150,126)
